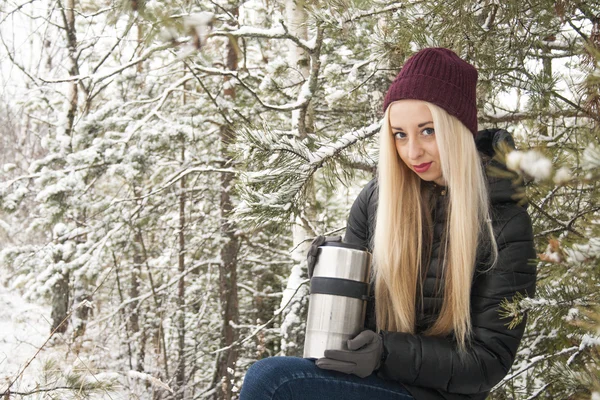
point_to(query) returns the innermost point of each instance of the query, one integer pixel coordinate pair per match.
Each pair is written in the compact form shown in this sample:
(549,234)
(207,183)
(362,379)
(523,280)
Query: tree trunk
(60,294)
(60,303)
(180,372)
(134,307)
(546,96)
(294,317)
(226,360)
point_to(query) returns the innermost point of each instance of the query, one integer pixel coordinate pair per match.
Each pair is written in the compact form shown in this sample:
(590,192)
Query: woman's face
(414,135)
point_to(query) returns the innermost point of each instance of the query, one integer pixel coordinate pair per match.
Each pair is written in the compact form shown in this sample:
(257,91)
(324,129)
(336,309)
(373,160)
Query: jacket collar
(504,186)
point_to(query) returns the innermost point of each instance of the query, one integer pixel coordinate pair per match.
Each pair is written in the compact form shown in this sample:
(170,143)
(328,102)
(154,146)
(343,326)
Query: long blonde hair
(398,241)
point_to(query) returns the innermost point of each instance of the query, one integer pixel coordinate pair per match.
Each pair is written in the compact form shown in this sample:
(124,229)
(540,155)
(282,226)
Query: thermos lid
(344,245)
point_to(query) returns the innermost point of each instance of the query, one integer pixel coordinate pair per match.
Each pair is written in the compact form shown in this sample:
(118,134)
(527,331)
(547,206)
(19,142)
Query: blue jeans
(294,378)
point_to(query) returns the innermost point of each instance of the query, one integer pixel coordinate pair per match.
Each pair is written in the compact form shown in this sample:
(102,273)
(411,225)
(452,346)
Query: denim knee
(288,378)
(258,380)
(265,376)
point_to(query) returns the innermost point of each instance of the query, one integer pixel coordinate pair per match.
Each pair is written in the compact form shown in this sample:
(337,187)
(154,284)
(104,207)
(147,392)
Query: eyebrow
(422,124)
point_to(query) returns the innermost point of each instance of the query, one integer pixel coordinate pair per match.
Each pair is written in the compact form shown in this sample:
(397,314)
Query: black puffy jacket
(431,367)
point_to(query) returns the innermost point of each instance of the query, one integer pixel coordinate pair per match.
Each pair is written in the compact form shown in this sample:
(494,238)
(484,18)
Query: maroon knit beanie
(439,76)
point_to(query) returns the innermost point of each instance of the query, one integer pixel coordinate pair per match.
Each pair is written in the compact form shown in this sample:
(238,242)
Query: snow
(591,157)
(572,314)
(562,176)
(531,162)
(589,341)
(579,253)
(329,149)
(253,31)
(8,167)
(24,328)
(150,379)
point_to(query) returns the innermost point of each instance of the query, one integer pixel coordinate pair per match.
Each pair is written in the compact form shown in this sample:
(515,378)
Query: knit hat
(439,76)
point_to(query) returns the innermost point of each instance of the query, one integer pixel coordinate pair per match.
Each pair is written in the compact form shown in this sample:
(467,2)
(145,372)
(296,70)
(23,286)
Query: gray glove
(364,356)
(312,255)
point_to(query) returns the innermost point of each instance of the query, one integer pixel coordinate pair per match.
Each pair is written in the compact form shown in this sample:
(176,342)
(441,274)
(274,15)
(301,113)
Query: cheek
(433,150)
(436,156)
(400,150)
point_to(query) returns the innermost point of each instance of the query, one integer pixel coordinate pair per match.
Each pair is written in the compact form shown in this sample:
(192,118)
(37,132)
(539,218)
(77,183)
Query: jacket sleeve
(435,362)
(358,225)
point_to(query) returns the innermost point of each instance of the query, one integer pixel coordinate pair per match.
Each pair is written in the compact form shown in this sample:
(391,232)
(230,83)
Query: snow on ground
(24,327)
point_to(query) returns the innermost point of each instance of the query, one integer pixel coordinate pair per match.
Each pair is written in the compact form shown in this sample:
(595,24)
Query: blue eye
(399,135)
(428,131)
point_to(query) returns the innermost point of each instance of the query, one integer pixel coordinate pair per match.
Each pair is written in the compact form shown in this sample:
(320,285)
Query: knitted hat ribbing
(439,76)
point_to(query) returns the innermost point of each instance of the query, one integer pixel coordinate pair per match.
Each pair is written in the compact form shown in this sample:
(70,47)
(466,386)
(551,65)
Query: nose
(415,150)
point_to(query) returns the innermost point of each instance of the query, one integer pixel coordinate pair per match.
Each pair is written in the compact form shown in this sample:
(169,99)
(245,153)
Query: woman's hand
(363,357)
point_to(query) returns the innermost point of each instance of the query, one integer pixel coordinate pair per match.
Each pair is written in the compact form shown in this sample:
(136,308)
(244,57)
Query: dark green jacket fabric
(431,367)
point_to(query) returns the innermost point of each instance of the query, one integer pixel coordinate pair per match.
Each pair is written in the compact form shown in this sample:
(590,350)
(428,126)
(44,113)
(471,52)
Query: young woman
(450,241)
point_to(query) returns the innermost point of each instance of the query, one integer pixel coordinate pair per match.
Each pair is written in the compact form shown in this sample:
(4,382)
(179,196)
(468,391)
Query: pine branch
(532,363)
(274,193)
(565,225)
(388,9)
(7,393)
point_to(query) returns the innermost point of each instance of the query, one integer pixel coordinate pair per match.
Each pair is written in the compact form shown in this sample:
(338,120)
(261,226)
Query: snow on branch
(98,77)
(263,326)
(277,32)
(155,110)
(151,293)
(279,168)
(174,178)
(527,116)
(532,362)
(150,379)
(369,13)
(331,149)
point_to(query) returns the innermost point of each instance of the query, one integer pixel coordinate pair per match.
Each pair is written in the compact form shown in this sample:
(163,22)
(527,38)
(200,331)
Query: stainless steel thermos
(339,289)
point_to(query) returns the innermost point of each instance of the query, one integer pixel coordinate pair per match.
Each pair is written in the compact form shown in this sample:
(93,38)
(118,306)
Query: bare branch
(301,102)
(174,179)
(524,116)
(17,9)
(276,314)
(114,71)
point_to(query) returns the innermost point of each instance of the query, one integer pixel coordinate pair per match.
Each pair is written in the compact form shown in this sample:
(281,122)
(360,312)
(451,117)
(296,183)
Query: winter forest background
(164,165)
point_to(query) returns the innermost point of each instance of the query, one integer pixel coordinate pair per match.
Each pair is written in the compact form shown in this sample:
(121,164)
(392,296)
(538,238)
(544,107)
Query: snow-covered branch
(532,362)
(160,289)
(331,149)
(302,100)
(155,110)
(369,13)
(528,116)
(276,314)
(174,178)
(277,32)
(98,77)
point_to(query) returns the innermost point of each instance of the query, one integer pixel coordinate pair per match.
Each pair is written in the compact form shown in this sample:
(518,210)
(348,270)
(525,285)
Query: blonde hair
(398,241)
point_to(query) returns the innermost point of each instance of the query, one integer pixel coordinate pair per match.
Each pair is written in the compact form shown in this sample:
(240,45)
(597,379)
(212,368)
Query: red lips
(422,167)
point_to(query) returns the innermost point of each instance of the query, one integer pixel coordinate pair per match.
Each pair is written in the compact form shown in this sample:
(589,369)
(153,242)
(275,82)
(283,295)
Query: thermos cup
(339,289)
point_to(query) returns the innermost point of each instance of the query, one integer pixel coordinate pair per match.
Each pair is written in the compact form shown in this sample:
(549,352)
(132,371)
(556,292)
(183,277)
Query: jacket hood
(504,186)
